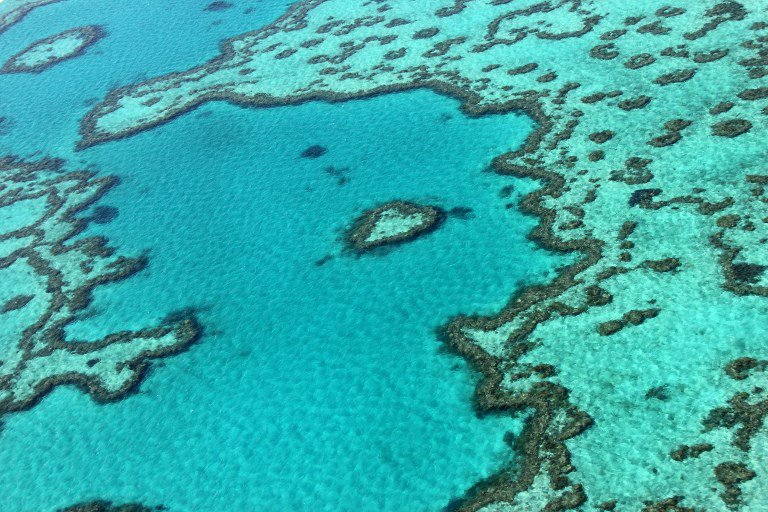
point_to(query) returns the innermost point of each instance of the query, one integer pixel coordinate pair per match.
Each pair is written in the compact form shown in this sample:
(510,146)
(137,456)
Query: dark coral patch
(461,212)
(15,303)
(665,140)
(639,61)
(676,125)
(663,265)
(748,272)
(731,128)
(606,51)
(104,214)
(711,56)
(635,103)
(426,33)
(721,108)
(218,6)
(669,11)
(658,393)
(108,506)
(525,68)
(731,475)
(601,137)
(684,452)
(682,75)
(315,151)
(759,93)
(741,368)
(643,196)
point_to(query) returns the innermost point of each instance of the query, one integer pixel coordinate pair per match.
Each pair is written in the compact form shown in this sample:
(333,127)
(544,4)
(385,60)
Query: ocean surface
(319,382)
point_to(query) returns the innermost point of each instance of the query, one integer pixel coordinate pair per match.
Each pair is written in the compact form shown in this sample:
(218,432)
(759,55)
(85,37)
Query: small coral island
(392,223)
(44,53)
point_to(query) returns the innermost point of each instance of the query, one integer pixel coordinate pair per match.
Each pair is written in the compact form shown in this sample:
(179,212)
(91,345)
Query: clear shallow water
(315,387)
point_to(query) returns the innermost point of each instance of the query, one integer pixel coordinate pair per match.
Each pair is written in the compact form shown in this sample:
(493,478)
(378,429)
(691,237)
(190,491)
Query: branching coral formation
(48,274)
(652,122)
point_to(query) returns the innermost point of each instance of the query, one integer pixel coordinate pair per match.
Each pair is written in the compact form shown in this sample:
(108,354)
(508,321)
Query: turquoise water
(315,387)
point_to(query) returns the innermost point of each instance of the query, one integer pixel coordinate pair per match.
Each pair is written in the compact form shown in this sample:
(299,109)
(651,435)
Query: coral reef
(42,256)
(392,223)
(649,147)
(47,52)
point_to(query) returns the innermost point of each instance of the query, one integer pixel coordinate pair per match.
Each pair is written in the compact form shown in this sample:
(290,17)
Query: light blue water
(315,387)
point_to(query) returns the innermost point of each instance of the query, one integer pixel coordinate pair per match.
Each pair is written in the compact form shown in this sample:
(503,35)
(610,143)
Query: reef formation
(391,223)
(13,11)
(48,272)
(650,149)
(47,52)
